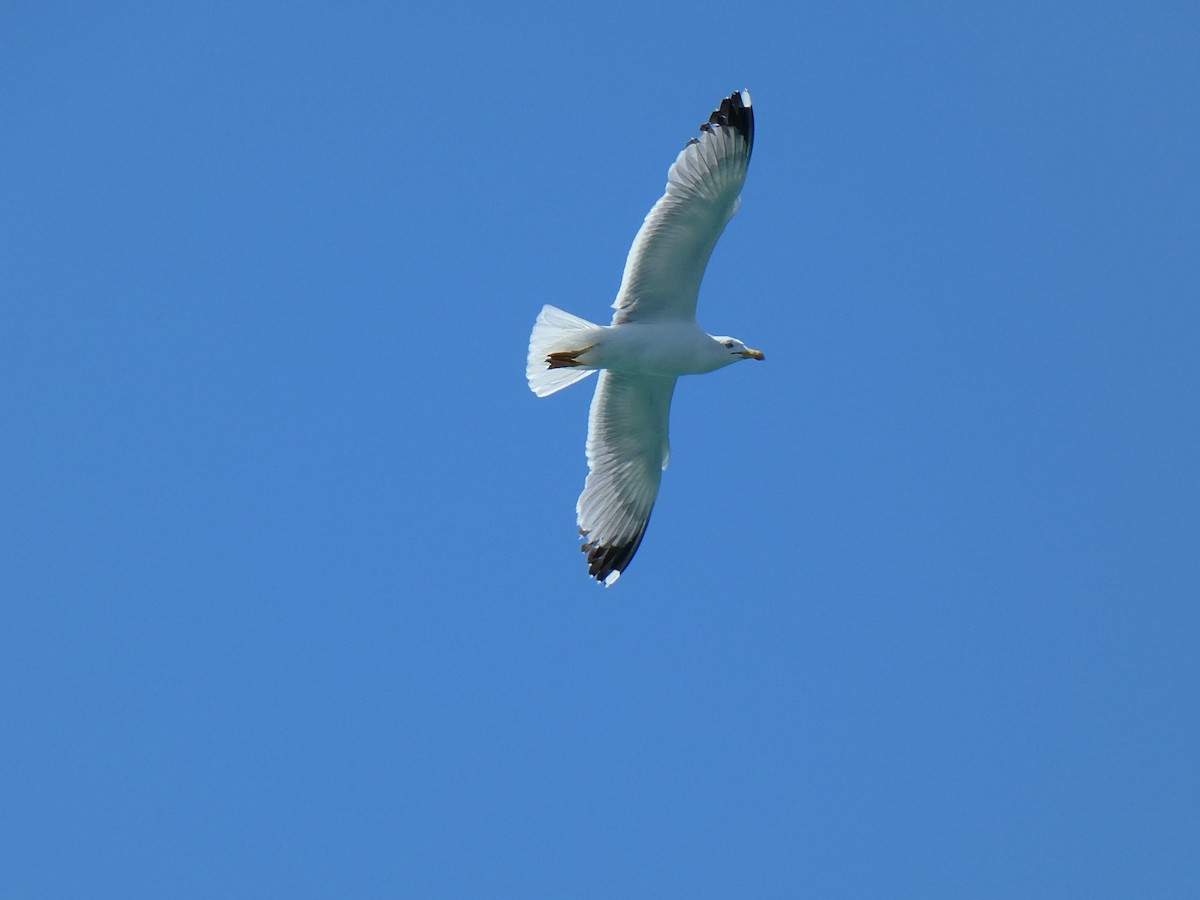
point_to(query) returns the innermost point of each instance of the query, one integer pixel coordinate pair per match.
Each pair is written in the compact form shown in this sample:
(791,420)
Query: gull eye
(729,344)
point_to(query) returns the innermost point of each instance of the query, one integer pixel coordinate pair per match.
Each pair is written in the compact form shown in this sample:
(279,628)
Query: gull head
(736,350)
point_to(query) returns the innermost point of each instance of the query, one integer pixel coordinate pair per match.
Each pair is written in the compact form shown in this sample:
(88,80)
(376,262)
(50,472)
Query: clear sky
(292,604)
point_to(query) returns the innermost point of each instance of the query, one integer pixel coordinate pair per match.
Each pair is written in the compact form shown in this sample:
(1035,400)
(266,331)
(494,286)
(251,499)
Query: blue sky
(292,604)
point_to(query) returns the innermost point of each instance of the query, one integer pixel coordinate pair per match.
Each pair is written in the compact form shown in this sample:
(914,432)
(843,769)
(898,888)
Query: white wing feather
(627,450)
(667,261)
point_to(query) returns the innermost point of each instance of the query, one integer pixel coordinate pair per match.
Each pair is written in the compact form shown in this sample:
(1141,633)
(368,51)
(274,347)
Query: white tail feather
(556,331)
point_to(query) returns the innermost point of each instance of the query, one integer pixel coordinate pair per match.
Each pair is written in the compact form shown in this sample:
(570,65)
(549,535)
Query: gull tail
(557,339)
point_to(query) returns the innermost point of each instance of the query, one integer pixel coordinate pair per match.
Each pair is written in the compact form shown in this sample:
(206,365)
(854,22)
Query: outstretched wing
(627,450)
(671,250)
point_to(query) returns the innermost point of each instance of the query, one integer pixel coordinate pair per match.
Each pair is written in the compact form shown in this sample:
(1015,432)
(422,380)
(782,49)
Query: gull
(653,339)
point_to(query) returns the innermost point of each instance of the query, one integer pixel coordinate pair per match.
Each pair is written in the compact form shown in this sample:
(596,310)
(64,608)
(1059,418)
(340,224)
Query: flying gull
(653,339)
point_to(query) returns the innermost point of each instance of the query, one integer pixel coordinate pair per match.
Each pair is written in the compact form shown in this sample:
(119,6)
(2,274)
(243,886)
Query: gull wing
(627,450)
(668,257)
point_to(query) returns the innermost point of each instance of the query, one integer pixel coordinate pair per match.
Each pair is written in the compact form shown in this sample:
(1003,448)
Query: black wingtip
(735,112)
(604,560)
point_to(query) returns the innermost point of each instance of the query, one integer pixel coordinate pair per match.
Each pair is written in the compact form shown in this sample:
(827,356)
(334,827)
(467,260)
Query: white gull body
(653,339)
